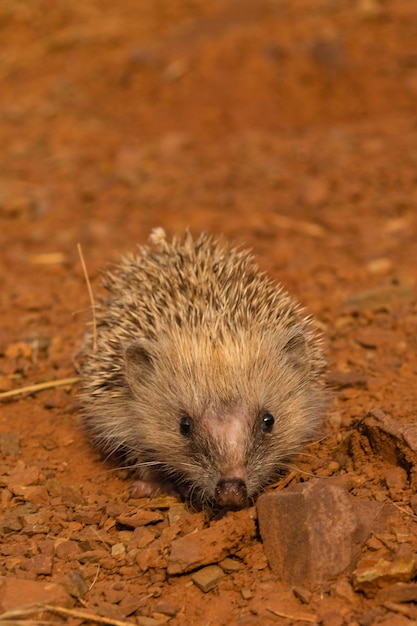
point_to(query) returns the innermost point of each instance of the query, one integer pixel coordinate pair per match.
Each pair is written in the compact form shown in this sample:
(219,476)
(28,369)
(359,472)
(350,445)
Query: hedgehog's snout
(231,493)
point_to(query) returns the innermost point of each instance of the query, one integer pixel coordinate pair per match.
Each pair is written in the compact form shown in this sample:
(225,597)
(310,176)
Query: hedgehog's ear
(139,363)
(295,351)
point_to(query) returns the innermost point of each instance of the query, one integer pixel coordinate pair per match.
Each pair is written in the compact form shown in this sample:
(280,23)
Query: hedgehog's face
(227,445)
(227,415)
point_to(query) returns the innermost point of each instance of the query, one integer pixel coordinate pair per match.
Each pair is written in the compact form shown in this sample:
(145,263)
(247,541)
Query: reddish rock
(75,584)
(140,518)
(166,608)
(86,516)
(141,537)
(374,573)
(281,603)
(394,443)
(152,557)
(67,549)
(212,544)
(208,577)
(21,477)
(314,531)
(39,564)
(398,592)
(37,494)
(16,593)
(131,603)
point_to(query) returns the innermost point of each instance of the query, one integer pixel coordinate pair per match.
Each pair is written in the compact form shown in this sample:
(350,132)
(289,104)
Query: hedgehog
(206,377)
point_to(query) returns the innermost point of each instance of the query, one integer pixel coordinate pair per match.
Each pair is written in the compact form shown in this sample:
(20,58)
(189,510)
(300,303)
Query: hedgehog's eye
(267,422)
(186,425)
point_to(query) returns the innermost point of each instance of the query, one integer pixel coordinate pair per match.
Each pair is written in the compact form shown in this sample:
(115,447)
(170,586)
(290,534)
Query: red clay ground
(289,126)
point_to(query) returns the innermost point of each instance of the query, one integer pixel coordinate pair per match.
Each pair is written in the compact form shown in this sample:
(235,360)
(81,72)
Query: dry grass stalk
(50,384)
(90,293)
(22,617)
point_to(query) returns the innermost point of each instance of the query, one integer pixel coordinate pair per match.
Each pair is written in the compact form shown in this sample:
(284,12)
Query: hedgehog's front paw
(148,489)
(143,489)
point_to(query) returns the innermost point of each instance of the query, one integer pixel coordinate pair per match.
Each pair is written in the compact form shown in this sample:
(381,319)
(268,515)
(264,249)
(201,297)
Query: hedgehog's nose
(231,493)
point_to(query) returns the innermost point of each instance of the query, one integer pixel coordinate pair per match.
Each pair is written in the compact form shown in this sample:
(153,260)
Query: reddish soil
(288,126)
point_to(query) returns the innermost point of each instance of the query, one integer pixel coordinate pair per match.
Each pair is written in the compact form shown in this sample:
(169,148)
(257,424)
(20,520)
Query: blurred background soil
(288,126)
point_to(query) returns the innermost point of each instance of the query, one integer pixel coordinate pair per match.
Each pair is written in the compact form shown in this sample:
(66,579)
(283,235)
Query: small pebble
(118,549)
(246,593)
(75,584)
(39,565)
(208,577)
(302,594)
(166,608)
(175,512)
(140,518)
(230,565)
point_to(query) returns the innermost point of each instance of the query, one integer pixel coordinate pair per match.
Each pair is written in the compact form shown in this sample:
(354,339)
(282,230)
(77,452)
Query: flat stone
(140,518)
(67,549)
(213,544)
(398,593)
(39,564)
(374,573)
(142,537)
(176,512)
(36,494)
(246,593)
(281,603)
(230,565)
(76,584)
(208,577)
(166,608)
(21,478)
(118,550)
(343,589)
(152,557)
(131,603)
(16,593)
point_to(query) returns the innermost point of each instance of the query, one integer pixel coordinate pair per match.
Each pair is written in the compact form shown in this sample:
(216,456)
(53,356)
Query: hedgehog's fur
(192,328)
